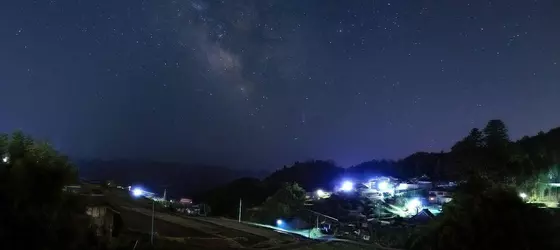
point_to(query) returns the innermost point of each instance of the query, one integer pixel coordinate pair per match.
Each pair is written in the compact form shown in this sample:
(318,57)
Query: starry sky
(263,83)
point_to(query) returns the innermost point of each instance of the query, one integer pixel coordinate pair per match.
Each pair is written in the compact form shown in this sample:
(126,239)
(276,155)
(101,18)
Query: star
(346,80)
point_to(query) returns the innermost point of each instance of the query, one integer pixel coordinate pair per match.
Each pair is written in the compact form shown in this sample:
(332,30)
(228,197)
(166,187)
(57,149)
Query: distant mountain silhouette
(179,179)
(203,180)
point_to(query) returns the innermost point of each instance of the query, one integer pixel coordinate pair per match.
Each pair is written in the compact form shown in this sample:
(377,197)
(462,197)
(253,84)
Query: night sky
(263,83)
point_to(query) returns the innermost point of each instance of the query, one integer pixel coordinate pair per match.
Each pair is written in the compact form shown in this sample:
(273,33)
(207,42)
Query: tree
(224,200)
(467,155)
(283,204)
(501,161)
(36,214)
(311,175)
(496,134)
(485,216)
(474,140)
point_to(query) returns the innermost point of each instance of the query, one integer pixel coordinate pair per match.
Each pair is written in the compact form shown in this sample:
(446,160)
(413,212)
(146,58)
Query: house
(75,189)
(439,196)
(423,217)
(424,182)
(547,193)
(105,219)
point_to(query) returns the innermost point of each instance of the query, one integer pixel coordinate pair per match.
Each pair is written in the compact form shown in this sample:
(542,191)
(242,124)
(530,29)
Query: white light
(320,193)
(279,222)
(523,195)
(402,186)
(5,159)
(347,186)
(137,192)
(383,186)
(413,205)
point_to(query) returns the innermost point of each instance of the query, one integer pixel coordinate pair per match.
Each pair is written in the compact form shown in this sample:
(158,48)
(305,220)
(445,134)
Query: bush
(485,216)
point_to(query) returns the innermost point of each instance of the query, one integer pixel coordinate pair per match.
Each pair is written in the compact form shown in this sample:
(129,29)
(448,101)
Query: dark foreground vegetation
(486,211)
(35,213)
(485,215)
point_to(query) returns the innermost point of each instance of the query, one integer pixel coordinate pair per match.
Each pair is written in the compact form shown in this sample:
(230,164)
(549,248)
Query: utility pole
(153,215)
(240,204)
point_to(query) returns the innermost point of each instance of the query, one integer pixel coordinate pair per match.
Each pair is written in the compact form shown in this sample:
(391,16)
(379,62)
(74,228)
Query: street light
(414,205)
(347,186)
(5,159)
(523,195)
(137,192)
(383,186)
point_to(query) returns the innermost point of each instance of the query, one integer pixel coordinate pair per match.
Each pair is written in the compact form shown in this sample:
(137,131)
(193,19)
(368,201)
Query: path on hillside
(265,232)
(227,230)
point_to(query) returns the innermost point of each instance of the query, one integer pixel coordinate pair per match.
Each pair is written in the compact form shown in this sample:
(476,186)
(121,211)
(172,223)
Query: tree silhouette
(311,175)
(283,204)
(496,134)
(36,214)
(485,216)
(224,200)
(475,139)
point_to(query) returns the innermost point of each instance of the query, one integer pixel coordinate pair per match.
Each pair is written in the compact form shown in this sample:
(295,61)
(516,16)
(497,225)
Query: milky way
(264,83)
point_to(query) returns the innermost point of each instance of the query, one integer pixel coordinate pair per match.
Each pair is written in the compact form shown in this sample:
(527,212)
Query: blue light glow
(414,205)
(137,192)
(347,186)
(383,186)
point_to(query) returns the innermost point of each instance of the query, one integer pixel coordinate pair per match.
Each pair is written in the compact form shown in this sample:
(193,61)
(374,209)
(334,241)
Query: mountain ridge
(179,179)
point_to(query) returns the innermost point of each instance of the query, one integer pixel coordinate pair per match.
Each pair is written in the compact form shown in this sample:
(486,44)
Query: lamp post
(240,204)
(153,215)
(154,212)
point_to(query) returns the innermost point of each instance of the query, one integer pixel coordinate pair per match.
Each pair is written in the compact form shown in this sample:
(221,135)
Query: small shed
(105,219)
